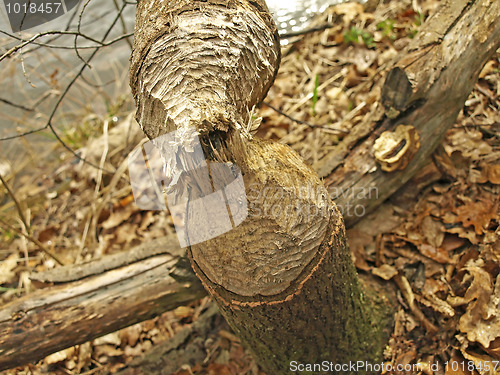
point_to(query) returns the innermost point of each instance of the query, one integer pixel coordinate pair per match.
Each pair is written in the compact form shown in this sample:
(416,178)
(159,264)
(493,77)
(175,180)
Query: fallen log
(64,315)
(424,90)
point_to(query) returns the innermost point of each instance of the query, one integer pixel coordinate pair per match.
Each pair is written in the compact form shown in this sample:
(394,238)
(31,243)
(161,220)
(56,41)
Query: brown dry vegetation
(436,240)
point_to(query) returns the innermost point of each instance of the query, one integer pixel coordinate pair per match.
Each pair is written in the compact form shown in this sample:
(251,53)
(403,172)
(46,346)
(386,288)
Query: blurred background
(44,84)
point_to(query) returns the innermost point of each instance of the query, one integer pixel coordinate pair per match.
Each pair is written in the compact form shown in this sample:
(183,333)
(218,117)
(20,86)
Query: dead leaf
(406,358)
(437,304)
(470,235)
(415,273)
(111,338)
(490,67)
(384,219)
(182,312)
(218,369)
(349,11)
(452,242)
(481,322)
(385,272)
(493,173)
(60,356)
(469,142)
(6,268)
(433,231)
(437,254)
(353,77)
(337,95)
(131,334)
(119,216)
(478,214)
(102,352)
(399,323)
(84,355)
(494,348)
(132,351)
(484,364)
(359,242)
(46,235)
(405,288)
(457,366)
(125,233)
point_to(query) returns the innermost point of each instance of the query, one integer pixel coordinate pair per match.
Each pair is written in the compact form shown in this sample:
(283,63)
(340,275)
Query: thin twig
(55,46)
(124,26)
(16,202)
(79,25)
(303,122)
(307,31)
(20,106)
(32,239)
(95,218)
(48,124)
(39,35)
(28,132)
(25,73)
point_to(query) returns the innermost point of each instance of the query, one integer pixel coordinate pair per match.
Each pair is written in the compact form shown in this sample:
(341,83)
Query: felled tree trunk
(425,91)
(283,278)
(103,296)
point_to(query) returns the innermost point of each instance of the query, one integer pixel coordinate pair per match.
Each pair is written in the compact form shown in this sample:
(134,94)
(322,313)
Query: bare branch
(303,122)
(100,43)
(39,35)
(20,106)
(75,43)
(16,202)
(33,131)
(32,239)
(124,26)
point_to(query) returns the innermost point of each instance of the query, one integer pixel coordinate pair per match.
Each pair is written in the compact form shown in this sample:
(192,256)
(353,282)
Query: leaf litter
(438,242)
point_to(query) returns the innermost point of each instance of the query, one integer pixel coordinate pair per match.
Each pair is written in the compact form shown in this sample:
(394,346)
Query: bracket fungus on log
(395,149)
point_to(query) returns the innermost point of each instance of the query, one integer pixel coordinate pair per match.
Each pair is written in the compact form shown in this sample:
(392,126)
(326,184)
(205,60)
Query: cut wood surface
(283,277)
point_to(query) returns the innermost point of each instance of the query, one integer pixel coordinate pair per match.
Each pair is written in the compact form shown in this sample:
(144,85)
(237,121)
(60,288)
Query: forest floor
(436,240)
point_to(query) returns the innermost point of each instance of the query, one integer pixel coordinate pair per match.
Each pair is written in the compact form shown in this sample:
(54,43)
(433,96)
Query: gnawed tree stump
(283,278)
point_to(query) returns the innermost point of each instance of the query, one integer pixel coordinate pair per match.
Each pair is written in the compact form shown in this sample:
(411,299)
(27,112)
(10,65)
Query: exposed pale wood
(174,47)
(323,313)
(69,314)
(284,277)
(286,224)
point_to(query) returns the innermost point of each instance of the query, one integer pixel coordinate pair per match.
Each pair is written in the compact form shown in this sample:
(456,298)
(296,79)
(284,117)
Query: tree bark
(442,69)
(425,89)
(55,318)
(284,277)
